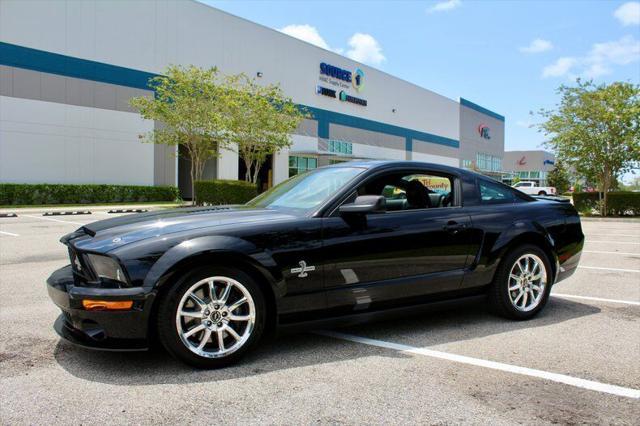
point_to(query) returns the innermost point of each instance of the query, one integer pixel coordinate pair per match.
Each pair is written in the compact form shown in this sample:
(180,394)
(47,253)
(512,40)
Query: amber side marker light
(105,305)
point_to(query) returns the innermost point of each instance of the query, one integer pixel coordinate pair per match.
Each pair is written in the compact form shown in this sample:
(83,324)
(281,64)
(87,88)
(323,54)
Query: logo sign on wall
(344,97)
(340,78)
(522,161)
(549,162)
(483,130)
(358,79)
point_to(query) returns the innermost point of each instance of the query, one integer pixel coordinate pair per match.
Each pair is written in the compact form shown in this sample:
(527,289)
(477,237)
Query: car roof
(388,164)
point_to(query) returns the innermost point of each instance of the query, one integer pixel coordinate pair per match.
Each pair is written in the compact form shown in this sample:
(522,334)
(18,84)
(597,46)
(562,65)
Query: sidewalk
(90,207)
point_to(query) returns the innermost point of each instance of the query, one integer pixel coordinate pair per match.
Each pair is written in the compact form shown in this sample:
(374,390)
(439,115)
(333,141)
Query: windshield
(308,190)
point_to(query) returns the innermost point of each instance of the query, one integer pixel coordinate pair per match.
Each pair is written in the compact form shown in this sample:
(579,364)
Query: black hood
(113,233)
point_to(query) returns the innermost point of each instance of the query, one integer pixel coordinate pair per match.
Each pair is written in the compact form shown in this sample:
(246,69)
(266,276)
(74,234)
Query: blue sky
(509,56)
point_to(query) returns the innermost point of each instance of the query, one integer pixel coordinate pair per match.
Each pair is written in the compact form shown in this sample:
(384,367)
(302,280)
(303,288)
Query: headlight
(106,267)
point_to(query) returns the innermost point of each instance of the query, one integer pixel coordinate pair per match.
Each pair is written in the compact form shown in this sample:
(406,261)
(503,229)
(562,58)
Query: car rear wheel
(211,317)
(522,283)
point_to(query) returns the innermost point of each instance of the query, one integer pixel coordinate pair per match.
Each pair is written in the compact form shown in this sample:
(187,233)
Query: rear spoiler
(552,198)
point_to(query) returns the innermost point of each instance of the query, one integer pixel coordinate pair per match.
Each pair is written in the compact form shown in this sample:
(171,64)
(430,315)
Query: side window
(404,191)
(494,193)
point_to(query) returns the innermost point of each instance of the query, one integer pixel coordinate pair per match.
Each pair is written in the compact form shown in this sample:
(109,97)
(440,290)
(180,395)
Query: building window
(301,164)
(467,164)
(340,147)
(488,162)
(496,164)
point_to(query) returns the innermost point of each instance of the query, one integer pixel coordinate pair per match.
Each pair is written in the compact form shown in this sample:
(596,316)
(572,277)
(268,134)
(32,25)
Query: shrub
(224,191)
(619,203)
(624,203)
(30,194)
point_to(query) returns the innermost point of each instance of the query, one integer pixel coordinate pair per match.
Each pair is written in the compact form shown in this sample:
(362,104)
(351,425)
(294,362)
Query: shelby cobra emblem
(303,269)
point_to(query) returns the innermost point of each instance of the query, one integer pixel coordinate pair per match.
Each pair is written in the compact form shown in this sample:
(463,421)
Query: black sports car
(345,243)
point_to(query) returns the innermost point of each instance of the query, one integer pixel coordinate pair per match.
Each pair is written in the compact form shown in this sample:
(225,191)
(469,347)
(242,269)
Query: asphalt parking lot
(577,362)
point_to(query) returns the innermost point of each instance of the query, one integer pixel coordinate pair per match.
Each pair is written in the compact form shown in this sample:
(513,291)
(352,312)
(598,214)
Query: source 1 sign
(340,78)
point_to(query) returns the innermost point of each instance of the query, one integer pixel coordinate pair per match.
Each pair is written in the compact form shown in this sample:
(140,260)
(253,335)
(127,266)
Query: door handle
(453,227)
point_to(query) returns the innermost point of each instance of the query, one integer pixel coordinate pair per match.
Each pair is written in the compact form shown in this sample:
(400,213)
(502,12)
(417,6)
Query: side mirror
(364,204)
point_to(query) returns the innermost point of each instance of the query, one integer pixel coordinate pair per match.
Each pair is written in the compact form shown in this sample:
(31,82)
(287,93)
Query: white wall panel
(376,152)
(302,143)
(228,164)
(437,159)
(57,143)
(280,166)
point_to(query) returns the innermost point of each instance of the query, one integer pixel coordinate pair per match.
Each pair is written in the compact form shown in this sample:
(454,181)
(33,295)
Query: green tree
(559,178)
(595,129)
(263,119)
(192,106)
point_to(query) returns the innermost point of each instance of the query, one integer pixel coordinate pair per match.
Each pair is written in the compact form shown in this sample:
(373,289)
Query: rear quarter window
(497,193)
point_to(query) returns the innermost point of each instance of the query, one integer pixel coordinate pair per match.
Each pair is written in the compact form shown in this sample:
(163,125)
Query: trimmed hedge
(30,194)
(619,203)
(220,191)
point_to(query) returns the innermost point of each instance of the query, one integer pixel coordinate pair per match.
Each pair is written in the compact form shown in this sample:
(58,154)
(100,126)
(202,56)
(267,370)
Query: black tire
(167,310)
(542,193)
(499,298)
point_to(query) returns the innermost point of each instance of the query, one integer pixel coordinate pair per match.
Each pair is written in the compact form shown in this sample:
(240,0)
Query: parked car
(321,248)
(532,188)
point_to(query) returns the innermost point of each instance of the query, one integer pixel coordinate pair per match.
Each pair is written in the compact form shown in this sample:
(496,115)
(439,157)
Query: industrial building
(69,68)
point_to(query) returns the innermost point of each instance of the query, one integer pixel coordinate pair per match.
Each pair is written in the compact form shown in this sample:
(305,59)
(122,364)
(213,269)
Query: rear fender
(524,232)
(518,233)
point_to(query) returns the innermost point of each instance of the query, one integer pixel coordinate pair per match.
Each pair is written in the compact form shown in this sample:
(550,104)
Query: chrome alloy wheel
(215,317)
(527,282)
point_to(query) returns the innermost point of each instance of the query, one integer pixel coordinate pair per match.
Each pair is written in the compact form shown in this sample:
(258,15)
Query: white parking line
(610,269)
(611,252)
(612,235)
(597,299)
(11,234)
(54,220)
(613,242)
(555,377)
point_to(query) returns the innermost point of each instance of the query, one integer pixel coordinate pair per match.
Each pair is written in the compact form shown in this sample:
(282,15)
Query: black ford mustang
(347,242)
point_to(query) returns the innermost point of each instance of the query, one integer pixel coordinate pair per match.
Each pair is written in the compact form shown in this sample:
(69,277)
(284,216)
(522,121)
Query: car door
(395,256)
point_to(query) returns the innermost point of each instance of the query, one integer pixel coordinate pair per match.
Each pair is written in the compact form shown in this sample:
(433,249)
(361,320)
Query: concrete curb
(66,213)
(92,208)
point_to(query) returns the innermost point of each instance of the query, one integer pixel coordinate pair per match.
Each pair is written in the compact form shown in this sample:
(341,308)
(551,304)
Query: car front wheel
(522,283)
(211,317)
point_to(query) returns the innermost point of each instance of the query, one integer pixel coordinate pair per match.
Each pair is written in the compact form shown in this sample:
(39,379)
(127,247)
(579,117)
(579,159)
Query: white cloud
(365,48)
(628,13)
(600,60)
(621,52)
(524,123)
(559,68)
(603,56)
(362,47)
(306,33)
(537,46)
(444,6)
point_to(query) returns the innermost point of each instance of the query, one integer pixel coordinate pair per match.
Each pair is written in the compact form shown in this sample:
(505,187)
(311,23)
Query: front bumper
(102,330)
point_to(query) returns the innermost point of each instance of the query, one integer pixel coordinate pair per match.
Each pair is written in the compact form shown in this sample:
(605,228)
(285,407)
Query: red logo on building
(483,130)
